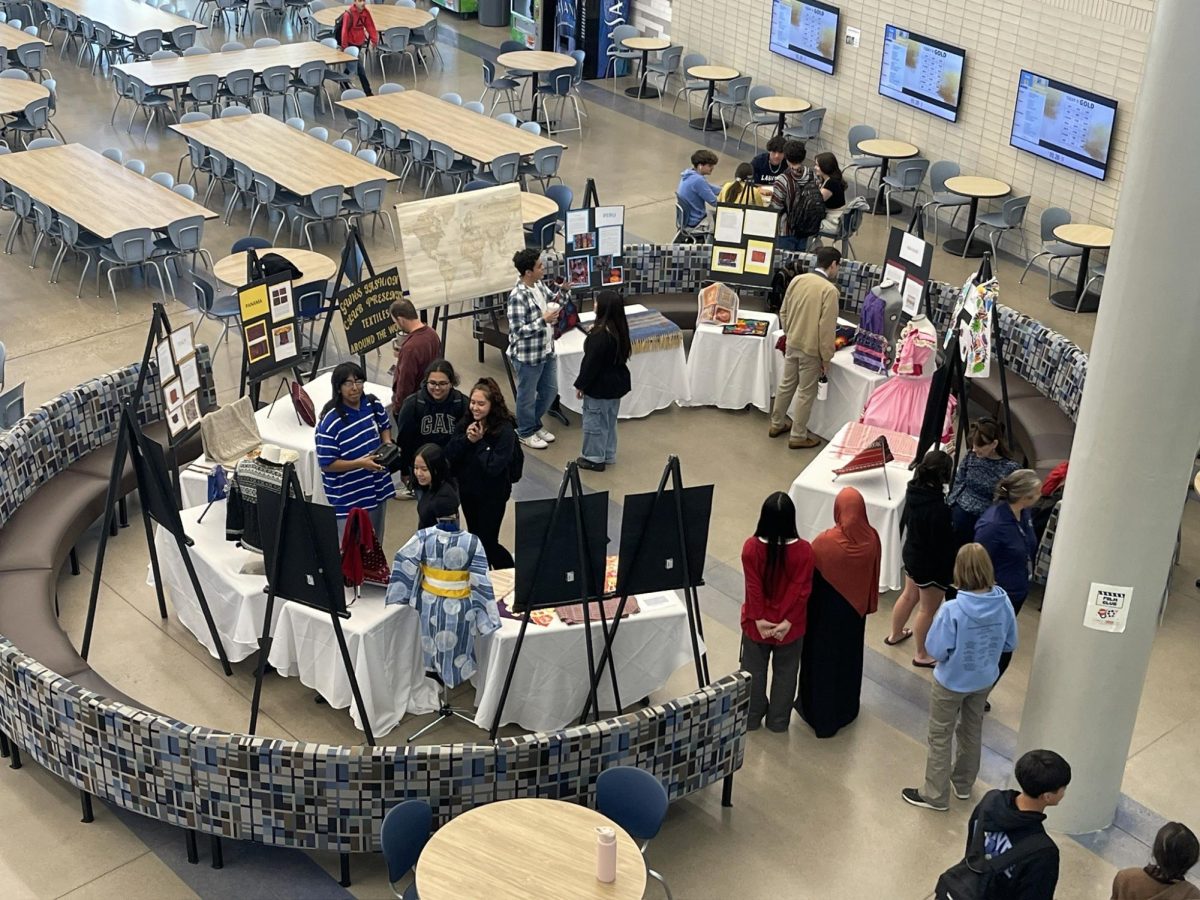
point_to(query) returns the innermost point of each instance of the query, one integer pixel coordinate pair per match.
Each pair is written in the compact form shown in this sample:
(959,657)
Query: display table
(732,371)
(814,491)
(659,377)
(1089,237)
(527,847)
(975,187)
(384,641)
(886,150)
(550,684)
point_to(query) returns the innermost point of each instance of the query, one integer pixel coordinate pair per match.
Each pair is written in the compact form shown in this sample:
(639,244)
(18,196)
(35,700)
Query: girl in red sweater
(778,568)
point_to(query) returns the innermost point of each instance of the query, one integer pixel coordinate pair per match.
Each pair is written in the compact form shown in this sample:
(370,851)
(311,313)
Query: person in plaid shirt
(531,316)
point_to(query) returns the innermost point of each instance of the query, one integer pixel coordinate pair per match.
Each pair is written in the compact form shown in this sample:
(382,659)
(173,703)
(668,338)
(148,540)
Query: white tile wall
(1098,45)
(653,17)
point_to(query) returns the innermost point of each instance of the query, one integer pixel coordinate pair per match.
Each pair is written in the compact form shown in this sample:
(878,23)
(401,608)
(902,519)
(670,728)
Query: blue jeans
(791,242)
(600,429)
(537,386)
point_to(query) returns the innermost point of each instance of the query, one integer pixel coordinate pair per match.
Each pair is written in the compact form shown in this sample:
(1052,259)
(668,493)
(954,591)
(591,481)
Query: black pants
(1006,658)
(484,514)
(362,77)
(784,660)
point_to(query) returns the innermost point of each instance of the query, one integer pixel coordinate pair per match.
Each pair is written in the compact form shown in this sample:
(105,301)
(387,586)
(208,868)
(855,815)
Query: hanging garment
(242,521)
(899,403)
(362,556)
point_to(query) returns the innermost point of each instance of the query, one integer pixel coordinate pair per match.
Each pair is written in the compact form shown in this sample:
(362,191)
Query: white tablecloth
(733,371)
(384,642)
(279,425)
(659,377)
(814,491)
(550,684)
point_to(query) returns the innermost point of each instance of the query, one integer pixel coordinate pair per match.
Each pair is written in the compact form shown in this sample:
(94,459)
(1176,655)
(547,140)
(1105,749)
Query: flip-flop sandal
(904,636)
(923,665)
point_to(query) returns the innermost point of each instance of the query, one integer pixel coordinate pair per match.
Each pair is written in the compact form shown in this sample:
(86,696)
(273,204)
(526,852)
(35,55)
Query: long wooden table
(101,195)
(384,15)
(16,95)
(474,136)
(12,38)
(126,17)
(293,159)
(159,73)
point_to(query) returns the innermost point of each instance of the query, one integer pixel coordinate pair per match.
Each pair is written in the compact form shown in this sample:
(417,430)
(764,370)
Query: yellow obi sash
(455,585)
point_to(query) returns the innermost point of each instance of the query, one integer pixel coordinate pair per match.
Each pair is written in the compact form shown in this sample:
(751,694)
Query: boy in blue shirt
(694,191)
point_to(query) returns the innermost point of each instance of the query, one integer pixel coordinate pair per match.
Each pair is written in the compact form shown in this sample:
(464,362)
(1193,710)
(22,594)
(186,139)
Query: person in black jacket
(437,491)
(930,547)
(603,380)
(430,415)
(481,452)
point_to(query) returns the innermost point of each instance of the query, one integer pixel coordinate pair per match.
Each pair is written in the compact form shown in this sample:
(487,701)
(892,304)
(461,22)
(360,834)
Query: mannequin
(899,403)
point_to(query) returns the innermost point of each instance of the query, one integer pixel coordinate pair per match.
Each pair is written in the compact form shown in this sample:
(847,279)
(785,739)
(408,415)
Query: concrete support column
(1138,430)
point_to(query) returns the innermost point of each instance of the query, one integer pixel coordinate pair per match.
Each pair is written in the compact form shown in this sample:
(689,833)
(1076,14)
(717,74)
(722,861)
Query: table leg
(782,124)
(1075,300)
(958,246)
(878,208)
(641,92)
(705,122)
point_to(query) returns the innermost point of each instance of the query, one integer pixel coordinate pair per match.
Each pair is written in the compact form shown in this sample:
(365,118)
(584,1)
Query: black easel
(587,585)
(347,267)
(590,197)
(304,544)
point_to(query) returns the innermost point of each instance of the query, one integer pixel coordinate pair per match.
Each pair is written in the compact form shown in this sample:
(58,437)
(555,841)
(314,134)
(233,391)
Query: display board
(1064,124)
(921,72)
(743,247)
(366,311)
(907,264)
(805,31)
(179,380)
(269,326)
(460,246)
(549,569)
(595,237)
(651,557)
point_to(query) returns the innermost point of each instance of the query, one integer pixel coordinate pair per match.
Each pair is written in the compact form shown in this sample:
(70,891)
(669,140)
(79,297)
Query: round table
(535,206)
(1089,237)
(711,74)
(517,849)
(16,95)
(975,187)
(647,45)
(535,62)
(784,106)
(385,16)
(313,266)
(886,150)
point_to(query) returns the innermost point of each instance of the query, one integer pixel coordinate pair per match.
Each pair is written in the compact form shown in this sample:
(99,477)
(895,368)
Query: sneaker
(534,442)
(545,435)
(803,444)
(965,795)
(913,796)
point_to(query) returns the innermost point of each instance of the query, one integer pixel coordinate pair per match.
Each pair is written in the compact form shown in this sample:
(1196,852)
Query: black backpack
(516,465)
(779,284)
(337,28)
(807,209)
(974,876)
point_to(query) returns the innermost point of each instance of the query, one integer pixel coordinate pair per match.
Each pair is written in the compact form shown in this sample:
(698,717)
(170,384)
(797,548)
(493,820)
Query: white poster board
(1107,607)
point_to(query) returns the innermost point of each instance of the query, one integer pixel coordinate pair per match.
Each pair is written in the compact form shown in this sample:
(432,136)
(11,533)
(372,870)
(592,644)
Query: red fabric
(355,28)
(362,556)
(876,455)
(785,598)
(1056,478)
(419,349)
(848,555)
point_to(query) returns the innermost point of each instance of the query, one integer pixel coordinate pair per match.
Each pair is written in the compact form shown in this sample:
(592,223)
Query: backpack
(337,28)
(973,877)
(779,284)
(806,211)
(516,465)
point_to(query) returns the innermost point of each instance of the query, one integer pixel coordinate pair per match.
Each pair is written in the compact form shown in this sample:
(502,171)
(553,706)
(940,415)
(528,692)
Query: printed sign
(1107,607)
(365,311)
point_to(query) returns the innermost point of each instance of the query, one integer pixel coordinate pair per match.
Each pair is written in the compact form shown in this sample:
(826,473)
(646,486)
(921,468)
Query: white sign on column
(1107,607)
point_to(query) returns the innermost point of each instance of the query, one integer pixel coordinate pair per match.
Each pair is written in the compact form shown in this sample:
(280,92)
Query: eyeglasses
(353,382)
(438,384)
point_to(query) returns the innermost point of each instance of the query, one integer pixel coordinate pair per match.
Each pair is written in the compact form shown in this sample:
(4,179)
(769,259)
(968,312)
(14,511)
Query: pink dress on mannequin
(899,403)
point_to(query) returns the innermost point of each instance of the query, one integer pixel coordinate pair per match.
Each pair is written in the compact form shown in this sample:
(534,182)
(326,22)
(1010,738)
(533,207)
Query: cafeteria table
(886,150)
(785,106)
(711,74)
(1088,237)
(646,45)
(975,187)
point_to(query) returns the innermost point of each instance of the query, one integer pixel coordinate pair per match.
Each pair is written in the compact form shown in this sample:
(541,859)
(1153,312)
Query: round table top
(976,186)
(384,16)
(888,149)
(516,849)
(777,104)
(1082,235)
(15,95)
(535,206)
(314,266)
(535,60)
(646,43)
(713,73)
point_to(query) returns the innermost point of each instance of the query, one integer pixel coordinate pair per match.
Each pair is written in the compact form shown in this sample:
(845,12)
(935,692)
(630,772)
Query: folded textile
(573,614)
(651,330)
(857,436)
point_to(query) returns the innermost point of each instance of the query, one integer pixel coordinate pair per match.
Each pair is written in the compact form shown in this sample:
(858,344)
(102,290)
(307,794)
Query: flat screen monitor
(805,31)
(1063,124)
(921,72)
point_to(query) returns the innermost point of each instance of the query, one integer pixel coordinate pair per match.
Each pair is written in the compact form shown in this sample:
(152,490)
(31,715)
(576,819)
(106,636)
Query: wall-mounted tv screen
(1063,124)
(921,72)
(806,31)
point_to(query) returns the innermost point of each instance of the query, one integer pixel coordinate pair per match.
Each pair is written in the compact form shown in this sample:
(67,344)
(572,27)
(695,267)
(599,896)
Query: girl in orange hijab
(845,591)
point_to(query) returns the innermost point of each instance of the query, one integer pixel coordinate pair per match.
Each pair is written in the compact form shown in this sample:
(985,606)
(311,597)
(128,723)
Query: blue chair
(562,195)
(540,235)
(405,833)
(636,801)
(476,185)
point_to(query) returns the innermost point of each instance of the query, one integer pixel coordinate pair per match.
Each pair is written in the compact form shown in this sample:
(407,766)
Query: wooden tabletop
(294,159)
(384,15)
(518,849)
(167,72)
(313,266)
(713,73)
(646,43)
(127,17)
(474,136)
(12,38)
(887,149)
(535,60)
(101,195)
(778,104)
(16,95)
(1095,237)
(535,206)
(976,186)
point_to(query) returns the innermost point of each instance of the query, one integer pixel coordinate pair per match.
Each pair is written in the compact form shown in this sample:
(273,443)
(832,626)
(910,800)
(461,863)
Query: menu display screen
(921,72)
(805,31)
(1063,124)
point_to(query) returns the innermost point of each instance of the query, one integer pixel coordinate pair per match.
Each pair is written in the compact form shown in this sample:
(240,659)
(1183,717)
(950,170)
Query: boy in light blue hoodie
(967,637)
(694,193)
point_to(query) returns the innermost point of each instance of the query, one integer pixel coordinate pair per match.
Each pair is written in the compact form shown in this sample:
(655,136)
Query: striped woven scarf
(650,330)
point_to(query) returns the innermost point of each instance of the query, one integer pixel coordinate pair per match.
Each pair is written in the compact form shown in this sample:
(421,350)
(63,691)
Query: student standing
(694,193)
(603,380)
(421,346)
(358,30)
(532,313)
(798,195)
(431,414)
(1175,851)
(985,463)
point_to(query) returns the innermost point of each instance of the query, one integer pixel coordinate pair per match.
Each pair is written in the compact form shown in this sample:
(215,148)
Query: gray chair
(543,167)
(617,50)
(446,165)
(849,222)
(758,119)
(557,87)
(197,51)
(807,128)
(32,58)
(939,173)
(130,249)
(274,199)
(322,207)
(507,119)
(12,406)
(733,98)
(906,177)
(1098,271)
(186,191)
(196,154)
(504,169)
(232,112)
(148,101)
(166,179)
(500,87)
(366,199)
(243,187)
(390,87)
(114,153)
(184,238)
(43,142)
(33,120)
(1010,218)
(275,81)
(859,160)
(238,88)
(164,54)
(222,308)
(1052,246)
(417,158)
(201,91)
(274,8)
(689,234)
(475,106)
(46,226)
(81,243)
(425,38)
(182,38)
(392,143)
(295,122)
(662,69)
(320,132)
(691,85)
(310,79)
(146,43)
(397,42)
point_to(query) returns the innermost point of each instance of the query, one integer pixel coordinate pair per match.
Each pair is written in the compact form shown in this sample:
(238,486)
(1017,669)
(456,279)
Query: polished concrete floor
(811,819)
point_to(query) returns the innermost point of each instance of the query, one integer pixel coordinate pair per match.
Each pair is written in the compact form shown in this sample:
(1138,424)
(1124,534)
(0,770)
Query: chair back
(136,165)
(739,89)
(185,190)
(187,233)
(390,87)
(230,46)
(443,155)
(507,118)
(634,799)
(546,161)
(343,144)
(368,155)
(148,41)
(22,202)
(668,62)
(12,406)
(405,832)
(911,172)
(184,37)
(410,4)
(166,179)
(17,74)
(369,195)
(810,124)
(320,132)
(270,41)
(418,146)
(531,127)
(1051,219)
(940,171)
(134,245)
(243,176)
(87,30)
(42,215)
(43,142)
(504,167)
(477,185)
(489,73)
(205,293)
(232,112)
(680,219)
(264,188)
(69,229)
(113,153)
(694,59)
(219,163)
(858,134)
(475,106)
(352,94)
(197,51)
(327,201)
(391,136)
(562,195)
(295,122)
(164,54)
(620,33)
(511,46)
(276,79)
(240,83)
(37,112)
(368,125)
(757,93)
(541,233)
(203,88)
(577,72)
(311,73)
(310,298)
(451,97)
(395,40)
(30,56)
(560,81)
(1013,211)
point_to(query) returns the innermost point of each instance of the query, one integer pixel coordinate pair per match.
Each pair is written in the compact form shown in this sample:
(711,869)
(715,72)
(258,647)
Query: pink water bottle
(606,854)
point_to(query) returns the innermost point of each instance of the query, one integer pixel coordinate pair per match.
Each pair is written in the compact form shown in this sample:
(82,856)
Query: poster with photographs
(269,326)
(595,239)
(743,248)
(179,381)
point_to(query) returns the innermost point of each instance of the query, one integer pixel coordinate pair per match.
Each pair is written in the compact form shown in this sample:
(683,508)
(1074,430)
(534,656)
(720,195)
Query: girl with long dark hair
(603,380)
(777,566)
(436,488)
(986,462)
